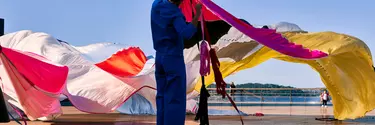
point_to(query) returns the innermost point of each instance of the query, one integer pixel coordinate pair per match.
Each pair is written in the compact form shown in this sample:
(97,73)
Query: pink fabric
(266,37)
(188,9)
(35,83)
(34,66)
(204,59)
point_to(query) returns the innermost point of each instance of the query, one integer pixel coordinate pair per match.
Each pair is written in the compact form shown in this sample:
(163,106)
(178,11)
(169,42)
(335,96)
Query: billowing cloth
(130,56)
(347,72)
(267,37)
(125,63)
(32,83)
(87,82)
(329,56)
(143,102)
(89,88)
(215,30)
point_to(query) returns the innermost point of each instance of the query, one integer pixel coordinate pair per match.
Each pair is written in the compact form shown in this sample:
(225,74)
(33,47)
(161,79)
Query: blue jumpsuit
(169,29)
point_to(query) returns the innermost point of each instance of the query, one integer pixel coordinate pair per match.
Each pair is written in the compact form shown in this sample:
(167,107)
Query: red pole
(4,118)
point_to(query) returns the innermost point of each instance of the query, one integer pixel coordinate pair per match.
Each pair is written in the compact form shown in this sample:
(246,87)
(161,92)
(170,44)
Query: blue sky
(83,22)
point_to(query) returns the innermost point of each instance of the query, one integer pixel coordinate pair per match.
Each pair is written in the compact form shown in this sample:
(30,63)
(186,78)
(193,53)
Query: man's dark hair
(178,2)
(265,27)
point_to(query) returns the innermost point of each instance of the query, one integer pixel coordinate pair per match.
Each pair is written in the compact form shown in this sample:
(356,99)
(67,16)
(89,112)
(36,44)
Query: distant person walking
(324,98)
(232,86)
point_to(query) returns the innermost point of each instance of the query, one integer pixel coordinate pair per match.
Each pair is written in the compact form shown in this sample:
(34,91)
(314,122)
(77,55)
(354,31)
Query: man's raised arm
(187,30)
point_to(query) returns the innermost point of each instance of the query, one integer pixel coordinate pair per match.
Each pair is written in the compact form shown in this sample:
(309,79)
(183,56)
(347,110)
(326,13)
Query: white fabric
(89,88)
(285,27)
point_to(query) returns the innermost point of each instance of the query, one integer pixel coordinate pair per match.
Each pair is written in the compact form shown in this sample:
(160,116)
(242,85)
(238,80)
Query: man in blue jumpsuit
(169,30)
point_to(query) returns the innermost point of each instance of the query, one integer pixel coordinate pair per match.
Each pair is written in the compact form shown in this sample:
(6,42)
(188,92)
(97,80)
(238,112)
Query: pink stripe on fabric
(267,37)
(92,111)
(38,70)
(34,102)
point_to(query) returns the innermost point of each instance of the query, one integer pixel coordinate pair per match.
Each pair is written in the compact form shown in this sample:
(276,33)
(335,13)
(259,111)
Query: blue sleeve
(185,30)
(171,14)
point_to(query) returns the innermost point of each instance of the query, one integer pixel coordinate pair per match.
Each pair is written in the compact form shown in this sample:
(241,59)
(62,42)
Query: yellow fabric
(347,72)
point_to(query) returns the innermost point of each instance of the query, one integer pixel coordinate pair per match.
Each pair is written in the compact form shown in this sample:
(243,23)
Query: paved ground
(273,115)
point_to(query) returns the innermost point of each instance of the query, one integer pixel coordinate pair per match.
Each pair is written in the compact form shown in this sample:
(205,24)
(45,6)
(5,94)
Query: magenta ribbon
(267,37)
(204,59)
